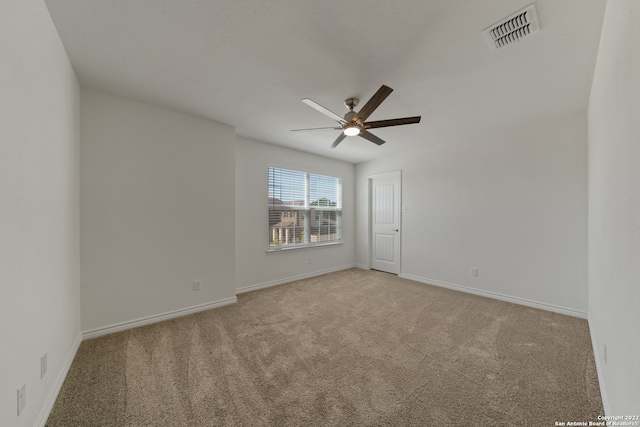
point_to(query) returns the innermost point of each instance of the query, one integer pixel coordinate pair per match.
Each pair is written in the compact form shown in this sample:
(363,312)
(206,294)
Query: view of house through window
(304,209)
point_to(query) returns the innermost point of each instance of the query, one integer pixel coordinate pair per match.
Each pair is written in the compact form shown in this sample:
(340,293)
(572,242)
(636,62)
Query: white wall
(39,227)
(157,211)
(614,208)
(254,267)
(513,204)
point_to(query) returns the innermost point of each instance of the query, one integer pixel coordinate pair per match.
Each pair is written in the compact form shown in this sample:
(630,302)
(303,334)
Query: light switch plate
(22,398)
(43,366)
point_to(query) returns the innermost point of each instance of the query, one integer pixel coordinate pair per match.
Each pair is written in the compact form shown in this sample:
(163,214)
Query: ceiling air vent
(513,28)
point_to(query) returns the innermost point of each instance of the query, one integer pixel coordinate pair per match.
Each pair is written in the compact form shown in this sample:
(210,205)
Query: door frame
(370,217)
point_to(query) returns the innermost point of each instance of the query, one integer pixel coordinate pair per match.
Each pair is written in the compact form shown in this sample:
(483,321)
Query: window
(305,209)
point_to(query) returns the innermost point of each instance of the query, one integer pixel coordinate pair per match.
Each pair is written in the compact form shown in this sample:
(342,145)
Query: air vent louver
(512,29)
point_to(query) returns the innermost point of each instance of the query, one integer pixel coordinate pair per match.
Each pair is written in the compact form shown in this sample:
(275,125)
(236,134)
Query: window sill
(276,249)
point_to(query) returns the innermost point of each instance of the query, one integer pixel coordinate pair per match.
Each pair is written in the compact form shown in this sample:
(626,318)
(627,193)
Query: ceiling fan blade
(371,137)
(325,128)
(323,110)
(372,104)
(392,122)
(338,140)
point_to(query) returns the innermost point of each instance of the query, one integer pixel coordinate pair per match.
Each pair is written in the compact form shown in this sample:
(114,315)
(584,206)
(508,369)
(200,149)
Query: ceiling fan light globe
(352,131)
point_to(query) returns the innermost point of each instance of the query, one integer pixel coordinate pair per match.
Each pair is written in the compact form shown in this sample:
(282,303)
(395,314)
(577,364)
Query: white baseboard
(62,375)
(599,370)
(362,267)
(498,296)
(291,279)
(94,333)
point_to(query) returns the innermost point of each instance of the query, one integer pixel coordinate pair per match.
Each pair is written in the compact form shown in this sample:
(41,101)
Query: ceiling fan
(355,124)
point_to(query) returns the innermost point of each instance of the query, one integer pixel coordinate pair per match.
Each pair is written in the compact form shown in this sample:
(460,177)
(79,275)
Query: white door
(385,222)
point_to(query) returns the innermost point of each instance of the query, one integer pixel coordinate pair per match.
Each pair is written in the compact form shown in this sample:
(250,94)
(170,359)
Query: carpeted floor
(352,348)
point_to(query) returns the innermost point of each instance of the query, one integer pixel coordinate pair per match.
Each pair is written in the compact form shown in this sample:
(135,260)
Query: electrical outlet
(310,261)
(604,352)
(196,285)
(22,398)
(43,365)
(474,271)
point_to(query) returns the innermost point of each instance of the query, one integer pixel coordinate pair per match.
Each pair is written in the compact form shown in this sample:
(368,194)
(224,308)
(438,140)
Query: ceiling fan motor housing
(350,103)
(349,116)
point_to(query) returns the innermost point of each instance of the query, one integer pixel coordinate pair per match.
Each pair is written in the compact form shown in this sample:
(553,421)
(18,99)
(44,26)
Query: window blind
(305,209)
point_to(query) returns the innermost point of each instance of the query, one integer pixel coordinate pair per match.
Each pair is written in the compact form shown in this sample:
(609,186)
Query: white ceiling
(248,63)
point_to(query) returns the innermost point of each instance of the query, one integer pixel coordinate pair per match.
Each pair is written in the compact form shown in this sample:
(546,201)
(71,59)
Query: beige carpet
(352,348)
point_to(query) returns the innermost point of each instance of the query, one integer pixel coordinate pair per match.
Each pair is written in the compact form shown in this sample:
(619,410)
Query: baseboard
(291,279)
(599,370)
(362,266)
(498,296)
(62,375)
(94,333)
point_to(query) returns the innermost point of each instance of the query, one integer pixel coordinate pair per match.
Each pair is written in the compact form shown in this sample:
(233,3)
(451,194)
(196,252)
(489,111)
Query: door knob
(396,230)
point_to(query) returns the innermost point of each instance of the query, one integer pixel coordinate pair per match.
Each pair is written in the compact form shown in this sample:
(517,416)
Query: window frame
(308,211)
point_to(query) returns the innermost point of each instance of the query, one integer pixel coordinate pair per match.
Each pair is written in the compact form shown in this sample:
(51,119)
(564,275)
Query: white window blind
(305,209)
